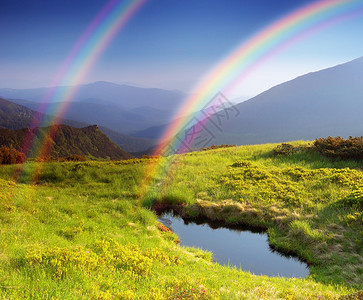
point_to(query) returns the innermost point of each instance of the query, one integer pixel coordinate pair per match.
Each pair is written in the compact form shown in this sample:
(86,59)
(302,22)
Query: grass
(310,205)
(81,230)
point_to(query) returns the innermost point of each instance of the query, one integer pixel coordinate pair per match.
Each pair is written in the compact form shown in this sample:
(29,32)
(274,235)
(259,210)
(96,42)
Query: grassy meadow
(84,230)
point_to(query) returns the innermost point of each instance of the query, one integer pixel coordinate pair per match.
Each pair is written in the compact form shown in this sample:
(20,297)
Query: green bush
(74,157)
(338,147)
(355,198)
(46,159)
(218,146)
(11,156)
(283,149)
(241,163)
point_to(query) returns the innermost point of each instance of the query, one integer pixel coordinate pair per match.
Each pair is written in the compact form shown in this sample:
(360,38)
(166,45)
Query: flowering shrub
(358,295)
(355,198)
(338,147)
(241,163)
(355,218)
(185,287)
(110,255)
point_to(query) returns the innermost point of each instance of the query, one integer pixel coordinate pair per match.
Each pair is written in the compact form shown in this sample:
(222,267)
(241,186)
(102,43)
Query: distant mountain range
(88,141)
(16,116)
(107,115)
(124,96)
(122,108)
(319,104)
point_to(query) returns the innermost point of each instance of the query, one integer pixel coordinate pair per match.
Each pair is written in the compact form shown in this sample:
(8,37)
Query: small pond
(237,247)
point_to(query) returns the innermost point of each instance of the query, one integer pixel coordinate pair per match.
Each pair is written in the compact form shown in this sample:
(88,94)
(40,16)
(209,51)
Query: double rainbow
(224,77)
(248,56)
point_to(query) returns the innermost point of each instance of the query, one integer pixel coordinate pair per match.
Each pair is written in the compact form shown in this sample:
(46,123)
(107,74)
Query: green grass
(81,230)
(311,205)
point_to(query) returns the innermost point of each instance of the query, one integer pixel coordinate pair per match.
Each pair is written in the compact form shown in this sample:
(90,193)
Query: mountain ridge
(317,104)
(16,116)
(88,141)
(125,96)
(324,103)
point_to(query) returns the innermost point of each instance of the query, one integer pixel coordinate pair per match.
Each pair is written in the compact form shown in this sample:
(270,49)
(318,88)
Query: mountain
(153,132)
(134,145)
(124,109)
(88,141)
(15,116)
(319,104)
(123,96)
(106,115)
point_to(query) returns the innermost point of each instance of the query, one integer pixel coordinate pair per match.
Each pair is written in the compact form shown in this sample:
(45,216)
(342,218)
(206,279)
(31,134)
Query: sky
(170,44)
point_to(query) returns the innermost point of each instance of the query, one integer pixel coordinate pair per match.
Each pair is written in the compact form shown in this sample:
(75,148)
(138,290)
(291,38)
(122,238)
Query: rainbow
(246,57)
(92,43)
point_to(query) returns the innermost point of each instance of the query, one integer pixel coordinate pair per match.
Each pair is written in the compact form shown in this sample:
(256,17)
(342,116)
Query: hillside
(17,115)
(323,103)
(14,116)
(88,234)
(88,141)
(129,143)
(121,108)
(110,115)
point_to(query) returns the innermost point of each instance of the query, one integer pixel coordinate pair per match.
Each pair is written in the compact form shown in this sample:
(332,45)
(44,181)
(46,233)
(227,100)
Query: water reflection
(236,247)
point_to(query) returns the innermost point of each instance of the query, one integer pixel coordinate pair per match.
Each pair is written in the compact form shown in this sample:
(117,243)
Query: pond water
(237,247)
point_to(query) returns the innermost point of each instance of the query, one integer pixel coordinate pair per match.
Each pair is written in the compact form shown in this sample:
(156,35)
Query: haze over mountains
(318,104)
(124,109)
(125,96)
(15,116)
(88,141)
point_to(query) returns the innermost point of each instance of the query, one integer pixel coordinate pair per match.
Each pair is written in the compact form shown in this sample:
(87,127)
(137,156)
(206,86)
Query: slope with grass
(88,141)
(322,103)
(16,115)
(310,205)
(83,232)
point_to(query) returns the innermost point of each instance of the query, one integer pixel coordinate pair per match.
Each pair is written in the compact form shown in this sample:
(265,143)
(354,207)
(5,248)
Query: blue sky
(170,44)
